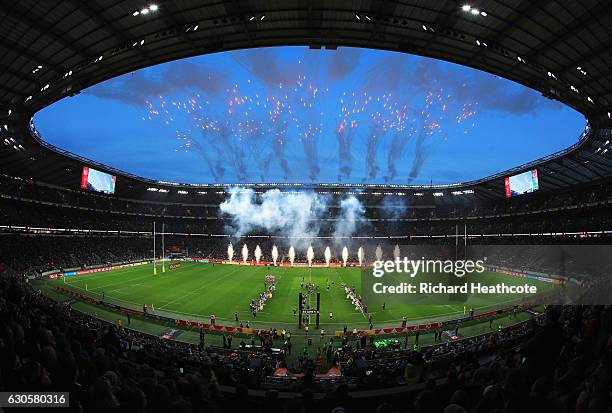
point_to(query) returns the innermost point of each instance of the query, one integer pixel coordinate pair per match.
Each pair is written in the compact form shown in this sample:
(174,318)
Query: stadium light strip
(146,10)
(94,231)
(473,10)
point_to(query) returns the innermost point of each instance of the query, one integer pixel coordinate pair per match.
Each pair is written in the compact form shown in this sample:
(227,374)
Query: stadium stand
(579,209)
(549,358)
(559,361)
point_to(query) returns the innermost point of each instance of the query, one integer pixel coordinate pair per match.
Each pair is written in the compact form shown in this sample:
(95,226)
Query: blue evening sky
(292,114)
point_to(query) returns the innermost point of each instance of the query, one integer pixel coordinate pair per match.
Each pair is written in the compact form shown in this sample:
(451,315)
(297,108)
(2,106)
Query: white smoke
(245,253)
(291,255)
(274,254)
(350,216)
(257,254)
(310,255)
(230,252)
(393,207)
(292,214)
(345,255)
(327,255)
(378,252)
(297,215)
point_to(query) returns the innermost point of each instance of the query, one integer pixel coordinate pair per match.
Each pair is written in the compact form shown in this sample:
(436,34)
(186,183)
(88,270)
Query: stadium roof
(49,50)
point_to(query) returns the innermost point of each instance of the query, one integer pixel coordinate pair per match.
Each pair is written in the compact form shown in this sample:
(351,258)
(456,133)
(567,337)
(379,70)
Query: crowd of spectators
(62,252)
(560,363)
(48,346)
(33,254)
(27,203)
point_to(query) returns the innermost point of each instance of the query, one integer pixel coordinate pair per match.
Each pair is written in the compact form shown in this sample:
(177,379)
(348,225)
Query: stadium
(340,206)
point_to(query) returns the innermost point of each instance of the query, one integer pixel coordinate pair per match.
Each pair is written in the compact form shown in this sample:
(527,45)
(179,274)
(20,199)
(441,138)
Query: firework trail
(278,115)
(254,123)
(353,110)
(344,136)
(381,124)
(309,127)
(397,118)
(371,165)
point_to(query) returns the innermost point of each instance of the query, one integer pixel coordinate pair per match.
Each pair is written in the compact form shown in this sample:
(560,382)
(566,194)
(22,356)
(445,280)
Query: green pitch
(197,290)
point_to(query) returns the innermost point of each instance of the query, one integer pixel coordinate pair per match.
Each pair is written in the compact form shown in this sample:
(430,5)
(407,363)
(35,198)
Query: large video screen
(94,180)
(523,183)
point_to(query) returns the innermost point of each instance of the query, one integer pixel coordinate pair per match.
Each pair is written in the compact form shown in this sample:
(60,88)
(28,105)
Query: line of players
(356,300)
(258,304)
(311,288)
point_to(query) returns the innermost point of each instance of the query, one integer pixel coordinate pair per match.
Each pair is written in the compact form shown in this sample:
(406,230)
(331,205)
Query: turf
(197,290)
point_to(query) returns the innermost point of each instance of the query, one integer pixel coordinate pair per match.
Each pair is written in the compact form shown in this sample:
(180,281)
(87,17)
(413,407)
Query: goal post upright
(300,308)
(456,242)
(154,267)
(318,307)
(163,247)
(465,237)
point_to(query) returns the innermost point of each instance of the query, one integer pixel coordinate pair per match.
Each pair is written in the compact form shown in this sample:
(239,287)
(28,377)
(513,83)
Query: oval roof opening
(294,114)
